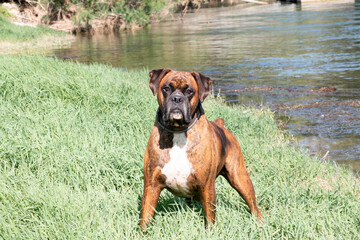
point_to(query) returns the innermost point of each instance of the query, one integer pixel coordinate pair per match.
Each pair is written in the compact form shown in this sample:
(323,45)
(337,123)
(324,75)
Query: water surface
(275,55)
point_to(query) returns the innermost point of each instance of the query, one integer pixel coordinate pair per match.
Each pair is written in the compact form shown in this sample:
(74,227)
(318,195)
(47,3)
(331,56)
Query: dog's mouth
(176,118)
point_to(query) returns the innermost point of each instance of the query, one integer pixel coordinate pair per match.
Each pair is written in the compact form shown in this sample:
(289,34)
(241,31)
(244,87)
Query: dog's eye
(166,89)
(188,91)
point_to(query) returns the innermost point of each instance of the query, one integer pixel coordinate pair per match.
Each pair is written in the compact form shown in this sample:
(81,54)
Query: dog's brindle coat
(187,161)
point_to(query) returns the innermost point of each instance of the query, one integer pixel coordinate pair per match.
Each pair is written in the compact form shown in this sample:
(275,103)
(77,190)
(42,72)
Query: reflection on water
(299,48)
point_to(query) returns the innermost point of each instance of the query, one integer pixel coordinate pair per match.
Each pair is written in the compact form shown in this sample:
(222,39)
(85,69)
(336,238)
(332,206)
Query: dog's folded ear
(204,84)
(155,77)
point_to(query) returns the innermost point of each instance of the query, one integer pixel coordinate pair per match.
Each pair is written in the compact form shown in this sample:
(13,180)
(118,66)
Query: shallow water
(274,55)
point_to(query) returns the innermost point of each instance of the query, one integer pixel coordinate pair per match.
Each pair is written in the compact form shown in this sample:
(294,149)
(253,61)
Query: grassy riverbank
(16,39)
(72,139)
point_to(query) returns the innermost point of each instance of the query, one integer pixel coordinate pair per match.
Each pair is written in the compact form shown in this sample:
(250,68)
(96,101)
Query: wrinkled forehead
(179,79)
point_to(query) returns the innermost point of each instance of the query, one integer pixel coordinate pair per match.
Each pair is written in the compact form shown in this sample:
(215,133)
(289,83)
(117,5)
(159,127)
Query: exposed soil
(25,15)
(33,15)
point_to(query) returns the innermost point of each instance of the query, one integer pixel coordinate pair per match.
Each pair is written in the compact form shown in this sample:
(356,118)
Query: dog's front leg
(208,199)
(152,190)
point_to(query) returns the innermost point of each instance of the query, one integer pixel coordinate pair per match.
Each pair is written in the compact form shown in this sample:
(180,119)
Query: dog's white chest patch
(178,169)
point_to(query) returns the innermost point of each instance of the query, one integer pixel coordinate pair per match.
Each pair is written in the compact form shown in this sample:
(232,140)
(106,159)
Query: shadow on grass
(239,205)
(171,204)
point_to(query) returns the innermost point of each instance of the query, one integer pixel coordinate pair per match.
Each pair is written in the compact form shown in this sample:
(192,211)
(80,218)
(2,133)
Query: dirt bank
(74,18)
(103,16)
(33,15)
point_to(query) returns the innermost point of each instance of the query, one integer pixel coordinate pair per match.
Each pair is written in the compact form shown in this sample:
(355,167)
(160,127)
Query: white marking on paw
(178,169)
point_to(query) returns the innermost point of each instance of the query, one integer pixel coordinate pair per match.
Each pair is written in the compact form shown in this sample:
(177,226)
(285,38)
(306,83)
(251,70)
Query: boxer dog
(186,152)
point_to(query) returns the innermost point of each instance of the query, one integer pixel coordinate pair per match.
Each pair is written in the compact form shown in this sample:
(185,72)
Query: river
(279,56)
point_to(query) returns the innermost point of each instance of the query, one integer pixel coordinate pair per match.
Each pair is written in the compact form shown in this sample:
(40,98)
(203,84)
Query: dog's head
(178,94)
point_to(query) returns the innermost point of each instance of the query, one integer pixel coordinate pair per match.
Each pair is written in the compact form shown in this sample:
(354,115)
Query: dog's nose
(177,99)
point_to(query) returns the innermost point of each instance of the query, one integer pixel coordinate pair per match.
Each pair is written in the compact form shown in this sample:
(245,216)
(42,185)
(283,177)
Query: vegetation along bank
(72,139)
(98,15)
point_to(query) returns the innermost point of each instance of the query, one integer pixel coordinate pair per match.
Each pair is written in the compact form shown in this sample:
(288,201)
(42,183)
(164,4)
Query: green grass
(72,139)
(12,32)
(16,39)
(4,12)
